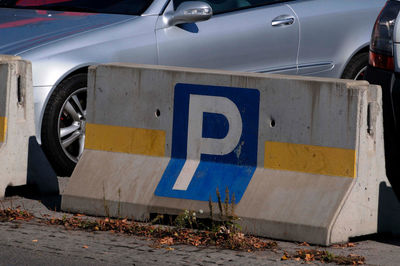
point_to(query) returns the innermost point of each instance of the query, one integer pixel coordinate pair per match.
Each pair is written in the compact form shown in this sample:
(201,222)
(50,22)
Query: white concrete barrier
(16,120)
(302,156)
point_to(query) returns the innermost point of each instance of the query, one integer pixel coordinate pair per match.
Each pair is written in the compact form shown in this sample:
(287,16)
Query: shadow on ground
(42,182)
(388,218)
(50,201)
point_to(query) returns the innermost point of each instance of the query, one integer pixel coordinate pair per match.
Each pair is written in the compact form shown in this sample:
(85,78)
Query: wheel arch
(363,49)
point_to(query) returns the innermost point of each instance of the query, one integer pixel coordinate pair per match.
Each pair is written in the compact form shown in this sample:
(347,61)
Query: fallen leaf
(167,241)
(257,245)
(169,248)
(85,247)
(35,240)
(284,257)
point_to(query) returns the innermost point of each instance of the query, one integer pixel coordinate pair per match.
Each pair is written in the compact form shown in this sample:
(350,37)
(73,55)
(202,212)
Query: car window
(128,7)
(223,6)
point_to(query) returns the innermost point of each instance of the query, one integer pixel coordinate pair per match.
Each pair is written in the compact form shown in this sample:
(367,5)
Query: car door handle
(282,20)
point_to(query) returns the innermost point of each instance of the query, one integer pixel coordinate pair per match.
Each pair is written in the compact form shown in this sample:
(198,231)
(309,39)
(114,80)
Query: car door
(252,35)
(332,31)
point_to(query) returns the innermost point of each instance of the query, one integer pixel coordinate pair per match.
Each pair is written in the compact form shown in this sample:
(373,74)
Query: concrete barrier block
(4,57)
(16,120)
(302,157)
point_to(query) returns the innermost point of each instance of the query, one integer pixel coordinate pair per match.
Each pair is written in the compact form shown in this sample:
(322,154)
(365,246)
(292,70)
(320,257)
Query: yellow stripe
(3,128)
(125,139)
(310,159)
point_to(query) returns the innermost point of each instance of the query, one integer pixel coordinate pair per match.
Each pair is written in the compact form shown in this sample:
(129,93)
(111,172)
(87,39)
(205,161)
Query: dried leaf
(167,241)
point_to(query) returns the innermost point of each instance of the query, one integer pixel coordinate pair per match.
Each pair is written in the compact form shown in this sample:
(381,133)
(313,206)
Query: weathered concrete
(4,57)
(319,152)
(16,120)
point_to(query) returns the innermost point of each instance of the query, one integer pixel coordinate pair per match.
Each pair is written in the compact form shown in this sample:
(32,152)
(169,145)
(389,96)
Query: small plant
(187,219)
(158,219)
(64,218)
(227,217)
(328,256)
(210,208)
(219,204)
(106,208)
(119,204)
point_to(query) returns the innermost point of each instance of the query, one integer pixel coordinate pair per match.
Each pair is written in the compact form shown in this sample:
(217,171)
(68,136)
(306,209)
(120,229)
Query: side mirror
(189,12)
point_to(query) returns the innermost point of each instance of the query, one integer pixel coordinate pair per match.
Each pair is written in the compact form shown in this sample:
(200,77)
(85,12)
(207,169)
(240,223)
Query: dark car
(384,70)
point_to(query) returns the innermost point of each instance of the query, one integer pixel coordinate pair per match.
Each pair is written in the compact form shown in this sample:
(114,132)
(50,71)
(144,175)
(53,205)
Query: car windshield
(127,7)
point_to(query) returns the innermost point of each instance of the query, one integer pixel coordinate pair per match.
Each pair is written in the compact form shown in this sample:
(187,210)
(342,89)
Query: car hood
(24,29)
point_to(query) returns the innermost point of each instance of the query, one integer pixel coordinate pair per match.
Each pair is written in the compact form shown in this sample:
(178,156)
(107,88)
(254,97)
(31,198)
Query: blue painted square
(232,171)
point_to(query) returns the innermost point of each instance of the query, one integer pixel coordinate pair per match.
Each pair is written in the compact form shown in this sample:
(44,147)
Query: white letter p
(197,145)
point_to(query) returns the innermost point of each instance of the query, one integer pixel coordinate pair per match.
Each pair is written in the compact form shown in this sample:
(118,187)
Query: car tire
(63,125)
(357,67)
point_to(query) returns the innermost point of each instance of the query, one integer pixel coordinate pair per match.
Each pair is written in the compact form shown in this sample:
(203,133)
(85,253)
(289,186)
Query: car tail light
(381,48)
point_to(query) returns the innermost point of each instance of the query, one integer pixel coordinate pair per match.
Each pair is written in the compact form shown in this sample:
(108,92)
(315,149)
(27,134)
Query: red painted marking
(23,22)
(41,12)
(39,2)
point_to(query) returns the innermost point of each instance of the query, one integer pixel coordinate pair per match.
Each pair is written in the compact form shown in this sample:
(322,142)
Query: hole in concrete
(272,123)
(158,113)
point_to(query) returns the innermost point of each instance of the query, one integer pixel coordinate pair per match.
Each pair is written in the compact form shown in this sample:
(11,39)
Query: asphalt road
(35,243)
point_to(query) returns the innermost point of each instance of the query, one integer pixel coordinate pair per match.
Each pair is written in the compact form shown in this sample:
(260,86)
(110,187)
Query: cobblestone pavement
(35,243)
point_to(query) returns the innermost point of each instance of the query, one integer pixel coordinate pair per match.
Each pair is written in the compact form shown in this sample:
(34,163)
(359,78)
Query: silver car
(327,38)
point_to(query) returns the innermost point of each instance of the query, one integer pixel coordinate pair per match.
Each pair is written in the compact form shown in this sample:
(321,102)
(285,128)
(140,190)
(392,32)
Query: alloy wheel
(72,124)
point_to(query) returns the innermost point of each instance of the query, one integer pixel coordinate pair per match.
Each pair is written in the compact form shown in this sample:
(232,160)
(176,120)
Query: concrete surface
(319,154)
(57,246)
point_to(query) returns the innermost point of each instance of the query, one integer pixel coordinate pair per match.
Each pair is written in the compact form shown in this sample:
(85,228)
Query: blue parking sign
(214,142)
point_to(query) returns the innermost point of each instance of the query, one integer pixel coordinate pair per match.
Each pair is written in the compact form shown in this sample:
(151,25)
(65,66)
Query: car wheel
(357,67)
(63,125)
